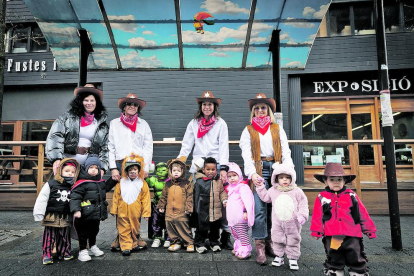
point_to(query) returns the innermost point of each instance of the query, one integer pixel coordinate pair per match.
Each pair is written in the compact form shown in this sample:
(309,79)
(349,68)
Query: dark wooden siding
(18,12)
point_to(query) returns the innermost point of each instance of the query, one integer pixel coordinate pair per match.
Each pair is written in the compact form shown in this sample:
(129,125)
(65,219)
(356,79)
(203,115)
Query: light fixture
(314,119)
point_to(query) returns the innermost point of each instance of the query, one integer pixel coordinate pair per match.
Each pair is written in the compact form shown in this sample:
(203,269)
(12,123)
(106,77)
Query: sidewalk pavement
(21,254)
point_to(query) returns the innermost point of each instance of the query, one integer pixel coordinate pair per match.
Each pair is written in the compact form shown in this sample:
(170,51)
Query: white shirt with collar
(215,143)
(122,142)
(266,149)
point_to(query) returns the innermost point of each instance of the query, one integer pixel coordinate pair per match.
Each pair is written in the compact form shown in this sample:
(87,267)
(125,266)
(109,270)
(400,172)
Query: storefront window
(38,41)
(403,128)
(392,16)
(409,16)
(362,130)
(339,22)
(19,40)
(6,134)
(364,18)
(33,131)
(325,127)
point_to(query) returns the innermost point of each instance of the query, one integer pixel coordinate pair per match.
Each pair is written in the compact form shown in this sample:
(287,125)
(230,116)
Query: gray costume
(64,138)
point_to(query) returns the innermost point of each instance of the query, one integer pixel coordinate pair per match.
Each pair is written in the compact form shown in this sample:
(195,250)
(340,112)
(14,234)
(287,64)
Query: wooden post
(355,162)
(40,163)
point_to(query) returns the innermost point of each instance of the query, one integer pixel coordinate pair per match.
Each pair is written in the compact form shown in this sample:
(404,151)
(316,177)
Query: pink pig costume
(290,205)
(240,199)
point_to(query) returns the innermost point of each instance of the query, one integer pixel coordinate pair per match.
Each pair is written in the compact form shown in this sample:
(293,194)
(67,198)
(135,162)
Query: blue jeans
(262,210)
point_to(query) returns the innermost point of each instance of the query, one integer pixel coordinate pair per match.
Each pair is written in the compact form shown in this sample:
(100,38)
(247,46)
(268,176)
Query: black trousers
(87,231)
(213,234)
(350,253)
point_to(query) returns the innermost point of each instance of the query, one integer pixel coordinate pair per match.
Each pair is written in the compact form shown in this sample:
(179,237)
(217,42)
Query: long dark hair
(200,114)
(77,108)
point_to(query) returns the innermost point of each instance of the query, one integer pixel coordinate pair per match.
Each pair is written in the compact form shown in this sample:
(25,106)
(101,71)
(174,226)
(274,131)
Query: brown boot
(268,247)
(260,250)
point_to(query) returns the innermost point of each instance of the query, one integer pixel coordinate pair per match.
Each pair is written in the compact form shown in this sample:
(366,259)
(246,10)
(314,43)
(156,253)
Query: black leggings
(87,231)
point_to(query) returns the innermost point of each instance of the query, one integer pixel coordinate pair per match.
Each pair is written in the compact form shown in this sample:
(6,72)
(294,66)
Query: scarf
(204,126)
(261,124)
(130,121)
(286,189)
(87,119)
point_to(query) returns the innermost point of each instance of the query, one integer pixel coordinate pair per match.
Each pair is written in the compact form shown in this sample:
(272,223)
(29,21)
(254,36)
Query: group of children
(207,205)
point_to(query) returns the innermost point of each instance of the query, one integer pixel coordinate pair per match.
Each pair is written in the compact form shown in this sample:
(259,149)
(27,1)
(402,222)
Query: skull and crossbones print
(63,196)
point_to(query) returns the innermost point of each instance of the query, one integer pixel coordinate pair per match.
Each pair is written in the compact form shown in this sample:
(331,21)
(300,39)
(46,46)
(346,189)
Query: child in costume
(52,208)
(130,202)
(290,211)
(340,218)
(209,198)
(89,206)
(177,203)
(156,223)
(240,211)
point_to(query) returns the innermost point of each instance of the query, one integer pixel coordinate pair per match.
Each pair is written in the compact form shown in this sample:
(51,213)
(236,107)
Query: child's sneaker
(190,248)
(174,247)
(126,253)
(96,251)
(329,272)
(201,249)
(216,248)
(68,257)
(84,256)
(352,273)
(293,265)
(47,260)
(278,261)
(243,258)
(167,244)
(156,243)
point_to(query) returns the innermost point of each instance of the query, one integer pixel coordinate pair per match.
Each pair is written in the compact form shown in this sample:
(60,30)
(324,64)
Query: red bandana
(261,124)
(130,121)
(204,126)
(87,119)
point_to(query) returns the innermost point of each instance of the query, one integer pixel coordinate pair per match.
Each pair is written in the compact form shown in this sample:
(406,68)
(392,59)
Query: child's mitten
(301,220)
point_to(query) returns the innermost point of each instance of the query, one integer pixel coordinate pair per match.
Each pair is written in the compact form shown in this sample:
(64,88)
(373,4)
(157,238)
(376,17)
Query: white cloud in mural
(60,34)
(311,12)
(66,58)
(148,33)
(306,25)
(168,44)
(223,7)
(218,54)
(142,42)
(224,33)
(134,60)
(294,64)
(259,39)
(103,58)
(126,27)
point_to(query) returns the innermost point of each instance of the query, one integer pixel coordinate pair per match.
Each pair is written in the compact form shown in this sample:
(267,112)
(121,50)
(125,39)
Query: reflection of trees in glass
(324,126)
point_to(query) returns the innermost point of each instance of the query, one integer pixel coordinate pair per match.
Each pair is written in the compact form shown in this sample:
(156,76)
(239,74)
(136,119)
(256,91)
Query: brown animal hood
(58,176)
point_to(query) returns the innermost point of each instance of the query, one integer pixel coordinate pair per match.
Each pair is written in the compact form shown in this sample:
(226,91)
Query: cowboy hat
(131,98)
(89,88)
(208,97)
(335,169)
(261,98)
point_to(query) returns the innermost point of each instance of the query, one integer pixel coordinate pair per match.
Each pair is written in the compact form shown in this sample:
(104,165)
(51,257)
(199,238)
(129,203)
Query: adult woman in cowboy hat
(81,130)
(263,143)
(209,135)
(129,133)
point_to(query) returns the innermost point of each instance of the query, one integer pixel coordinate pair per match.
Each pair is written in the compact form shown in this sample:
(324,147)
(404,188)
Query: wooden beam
(41,161)
(355,164)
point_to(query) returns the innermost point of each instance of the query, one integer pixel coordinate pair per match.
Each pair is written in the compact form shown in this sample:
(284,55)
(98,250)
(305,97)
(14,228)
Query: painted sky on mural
(145,32)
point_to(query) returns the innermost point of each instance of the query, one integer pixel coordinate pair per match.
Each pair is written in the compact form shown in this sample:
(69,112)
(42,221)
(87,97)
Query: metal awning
(161,34)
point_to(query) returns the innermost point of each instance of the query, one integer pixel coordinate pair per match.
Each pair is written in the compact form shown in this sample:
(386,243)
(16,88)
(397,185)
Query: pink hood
(233,167)
(283,168)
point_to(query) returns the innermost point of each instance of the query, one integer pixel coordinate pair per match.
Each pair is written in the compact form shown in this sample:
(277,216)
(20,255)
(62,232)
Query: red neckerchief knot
(261,124)
(204,126)
(87,119)
(130,121)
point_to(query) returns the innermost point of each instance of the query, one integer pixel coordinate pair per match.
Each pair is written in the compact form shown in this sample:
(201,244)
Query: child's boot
(260,250)
(167,244)
(278,261)
(293,264)
(226,241)
(156,243)
(84,256)
(330,272)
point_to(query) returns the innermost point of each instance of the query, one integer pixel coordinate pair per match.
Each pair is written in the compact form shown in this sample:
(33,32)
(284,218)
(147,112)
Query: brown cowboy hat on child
(261,98)
(208,97)
(89,88)
(131,98)
(335,169)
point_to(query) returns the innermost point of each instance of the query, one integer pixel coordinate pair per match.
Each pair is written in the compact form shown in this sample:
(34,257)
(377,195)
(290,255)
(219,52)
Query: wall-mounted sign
(29,65)
(355,84)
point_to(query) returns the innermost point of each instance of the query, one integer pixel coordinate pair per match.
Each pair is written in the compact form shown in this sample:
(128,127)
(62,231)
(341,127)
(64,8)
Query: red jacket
(336,217)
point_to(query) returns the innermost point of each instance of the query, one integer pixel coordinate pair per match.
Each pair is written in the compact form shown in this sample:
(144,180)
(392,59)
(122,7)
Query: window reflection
(324,127)
(392,16)
(362,129)
(409,15)
(339,22)
(364,18)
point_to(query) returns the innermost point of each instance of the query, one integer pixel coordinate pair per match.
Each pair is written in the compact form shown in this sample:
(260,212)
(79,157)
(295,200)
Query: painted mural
(213,32)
